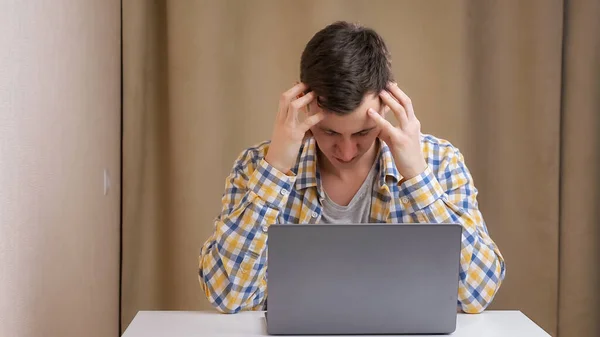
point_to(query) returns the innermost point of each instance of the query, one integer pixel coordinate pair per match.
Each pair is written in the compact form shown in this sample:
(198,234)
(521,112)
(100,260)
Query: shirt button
(265,228)
(315,214)
(404,200)
(284,192)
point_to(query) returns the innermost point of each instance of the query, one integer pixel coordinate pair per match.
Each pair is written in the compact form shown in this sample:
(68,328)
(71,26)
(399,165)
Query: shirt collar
(306,167)
(307,174)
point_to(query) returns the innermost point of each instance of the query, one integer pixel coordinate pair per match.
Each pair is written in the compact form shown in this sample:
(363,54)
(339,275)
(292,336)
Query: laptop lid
(363,278)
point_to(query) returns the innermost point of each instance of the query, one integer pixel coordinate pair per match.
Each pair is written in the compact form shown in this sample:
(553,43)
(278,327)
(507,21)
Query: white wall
(59,129)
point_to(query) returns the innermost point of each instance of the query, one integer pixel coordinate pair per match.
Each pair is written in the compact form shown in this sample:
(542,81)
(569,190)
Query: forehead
(355,121)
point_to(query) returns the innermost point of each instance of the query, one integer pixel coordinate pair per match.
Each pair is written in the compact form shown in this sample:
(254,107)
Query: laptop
(332,279)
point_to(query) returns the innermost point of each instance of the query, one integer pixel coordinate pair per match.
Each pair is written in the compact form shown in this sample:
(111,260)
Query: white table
(212,323)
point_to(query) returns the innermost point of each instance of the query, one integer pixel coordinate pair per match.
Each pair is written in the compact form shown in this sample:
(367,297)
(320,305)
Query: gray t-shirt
(359,208)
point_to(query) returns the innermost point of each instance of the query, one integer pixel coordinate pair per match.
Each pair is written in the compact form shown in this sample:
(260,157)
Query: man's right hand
(289,131)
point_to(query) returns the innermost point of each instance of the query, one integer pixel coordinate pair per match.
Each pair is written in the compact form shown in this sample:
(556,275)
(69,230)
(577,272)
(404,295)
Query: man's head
(346,66)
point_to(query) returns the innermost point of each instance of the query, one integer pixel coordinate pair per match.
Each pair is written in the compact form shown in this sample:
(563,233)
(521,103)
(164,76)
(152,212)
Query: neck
(360,169)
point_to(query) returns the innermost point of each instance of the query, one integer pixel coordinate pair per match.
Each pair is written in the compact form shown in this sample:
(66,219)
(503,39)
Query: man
(334,158)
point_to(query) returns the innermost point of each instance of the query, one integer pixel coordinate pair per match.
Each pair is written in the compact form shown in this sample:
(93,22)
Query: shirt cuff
(271,185)
(420,191)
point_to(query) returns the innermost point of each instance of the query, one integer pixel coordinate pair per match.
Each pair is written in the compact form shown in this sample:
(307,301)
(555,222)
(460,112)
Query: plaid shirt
(233,261)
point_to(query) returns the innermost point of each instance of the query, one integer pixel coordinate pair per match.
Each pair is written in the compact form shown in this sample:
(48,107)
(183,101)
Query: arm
(232,263)
(446,195)
(451,197)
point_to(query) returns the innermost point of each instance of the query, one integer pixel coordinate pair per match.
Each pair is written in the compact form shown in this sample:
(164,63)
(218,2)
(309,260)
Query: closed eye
(364,132)
(360,133)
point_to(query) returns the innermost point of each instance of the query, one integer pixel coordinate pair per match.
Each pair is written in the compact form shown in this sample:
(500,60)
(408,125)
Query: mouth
(344,161)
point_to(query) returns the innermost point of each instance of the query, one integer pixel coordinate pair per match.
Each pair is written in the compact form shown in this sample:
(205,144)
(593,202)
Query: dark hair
(343,62)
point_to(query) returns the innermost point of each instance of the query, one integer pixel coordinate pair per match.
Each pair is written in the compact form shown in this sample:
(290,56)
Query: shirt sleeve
(232,262)
(449,196)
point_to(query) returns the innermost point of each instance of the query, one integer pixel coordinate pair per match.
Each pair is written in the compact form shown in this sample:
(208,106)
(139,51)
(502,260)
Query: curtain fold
(514,53)
(145,158)
(513,84)
(579,278)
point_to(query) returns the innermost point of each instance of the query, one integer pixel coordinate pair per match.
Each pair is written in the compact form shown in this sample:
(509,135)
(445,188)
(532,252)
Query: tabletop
(252,323)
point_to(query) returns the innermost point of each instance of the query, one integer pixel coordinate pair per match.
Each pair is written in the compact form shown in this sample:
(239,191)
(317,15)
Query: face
(344,140)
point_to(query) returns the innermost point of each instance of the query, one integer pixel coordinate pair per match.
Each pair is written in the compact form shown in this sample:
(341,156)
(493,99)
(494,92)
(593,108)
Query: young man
(343,162)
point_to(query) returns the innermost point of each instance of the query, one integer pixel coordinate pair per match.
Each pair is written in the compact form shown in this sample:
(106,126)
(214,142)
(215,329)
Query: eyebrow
(361,131)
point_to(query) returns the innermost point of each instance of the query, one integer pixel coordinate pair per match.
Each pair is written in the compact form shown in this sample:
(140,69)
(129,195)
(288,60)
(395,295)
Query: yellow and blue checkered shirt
(233,261)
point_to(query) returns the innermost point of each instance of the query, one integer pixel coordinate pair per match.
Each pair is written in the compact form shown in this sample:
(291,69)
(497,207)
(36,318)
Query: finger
(298,104)
(403,99)
(287,97)
(313,120)
(395,106)
(386,110)
(385,125)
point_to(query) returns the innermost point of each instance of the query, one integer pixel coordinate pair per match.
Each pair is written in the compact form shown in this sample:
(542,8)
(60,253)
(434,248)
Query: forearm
(481,263)
(232,266)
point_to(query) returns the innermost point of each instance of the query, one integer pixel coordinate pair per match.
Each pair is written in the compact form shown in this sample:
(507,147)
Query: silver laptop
(362,279)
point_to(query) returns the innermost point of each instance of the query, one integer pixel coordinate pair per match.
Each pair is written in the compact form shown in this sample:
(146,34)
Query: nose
(346,149)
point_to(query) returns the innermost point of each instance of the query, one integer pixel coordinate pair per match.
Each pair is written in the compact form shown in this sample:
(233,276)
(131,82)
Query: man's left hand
(404,140)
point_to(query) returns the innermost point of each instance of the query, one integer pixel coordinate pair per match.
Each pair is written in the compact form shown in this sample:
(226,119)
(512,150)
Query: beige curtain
(514,84)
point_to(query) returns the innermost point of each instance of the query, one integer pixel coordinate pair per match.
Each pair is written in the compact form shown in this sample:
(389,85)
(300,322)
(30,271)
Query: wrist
(413,171)
(420,191)
(279,167)
(270,185)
